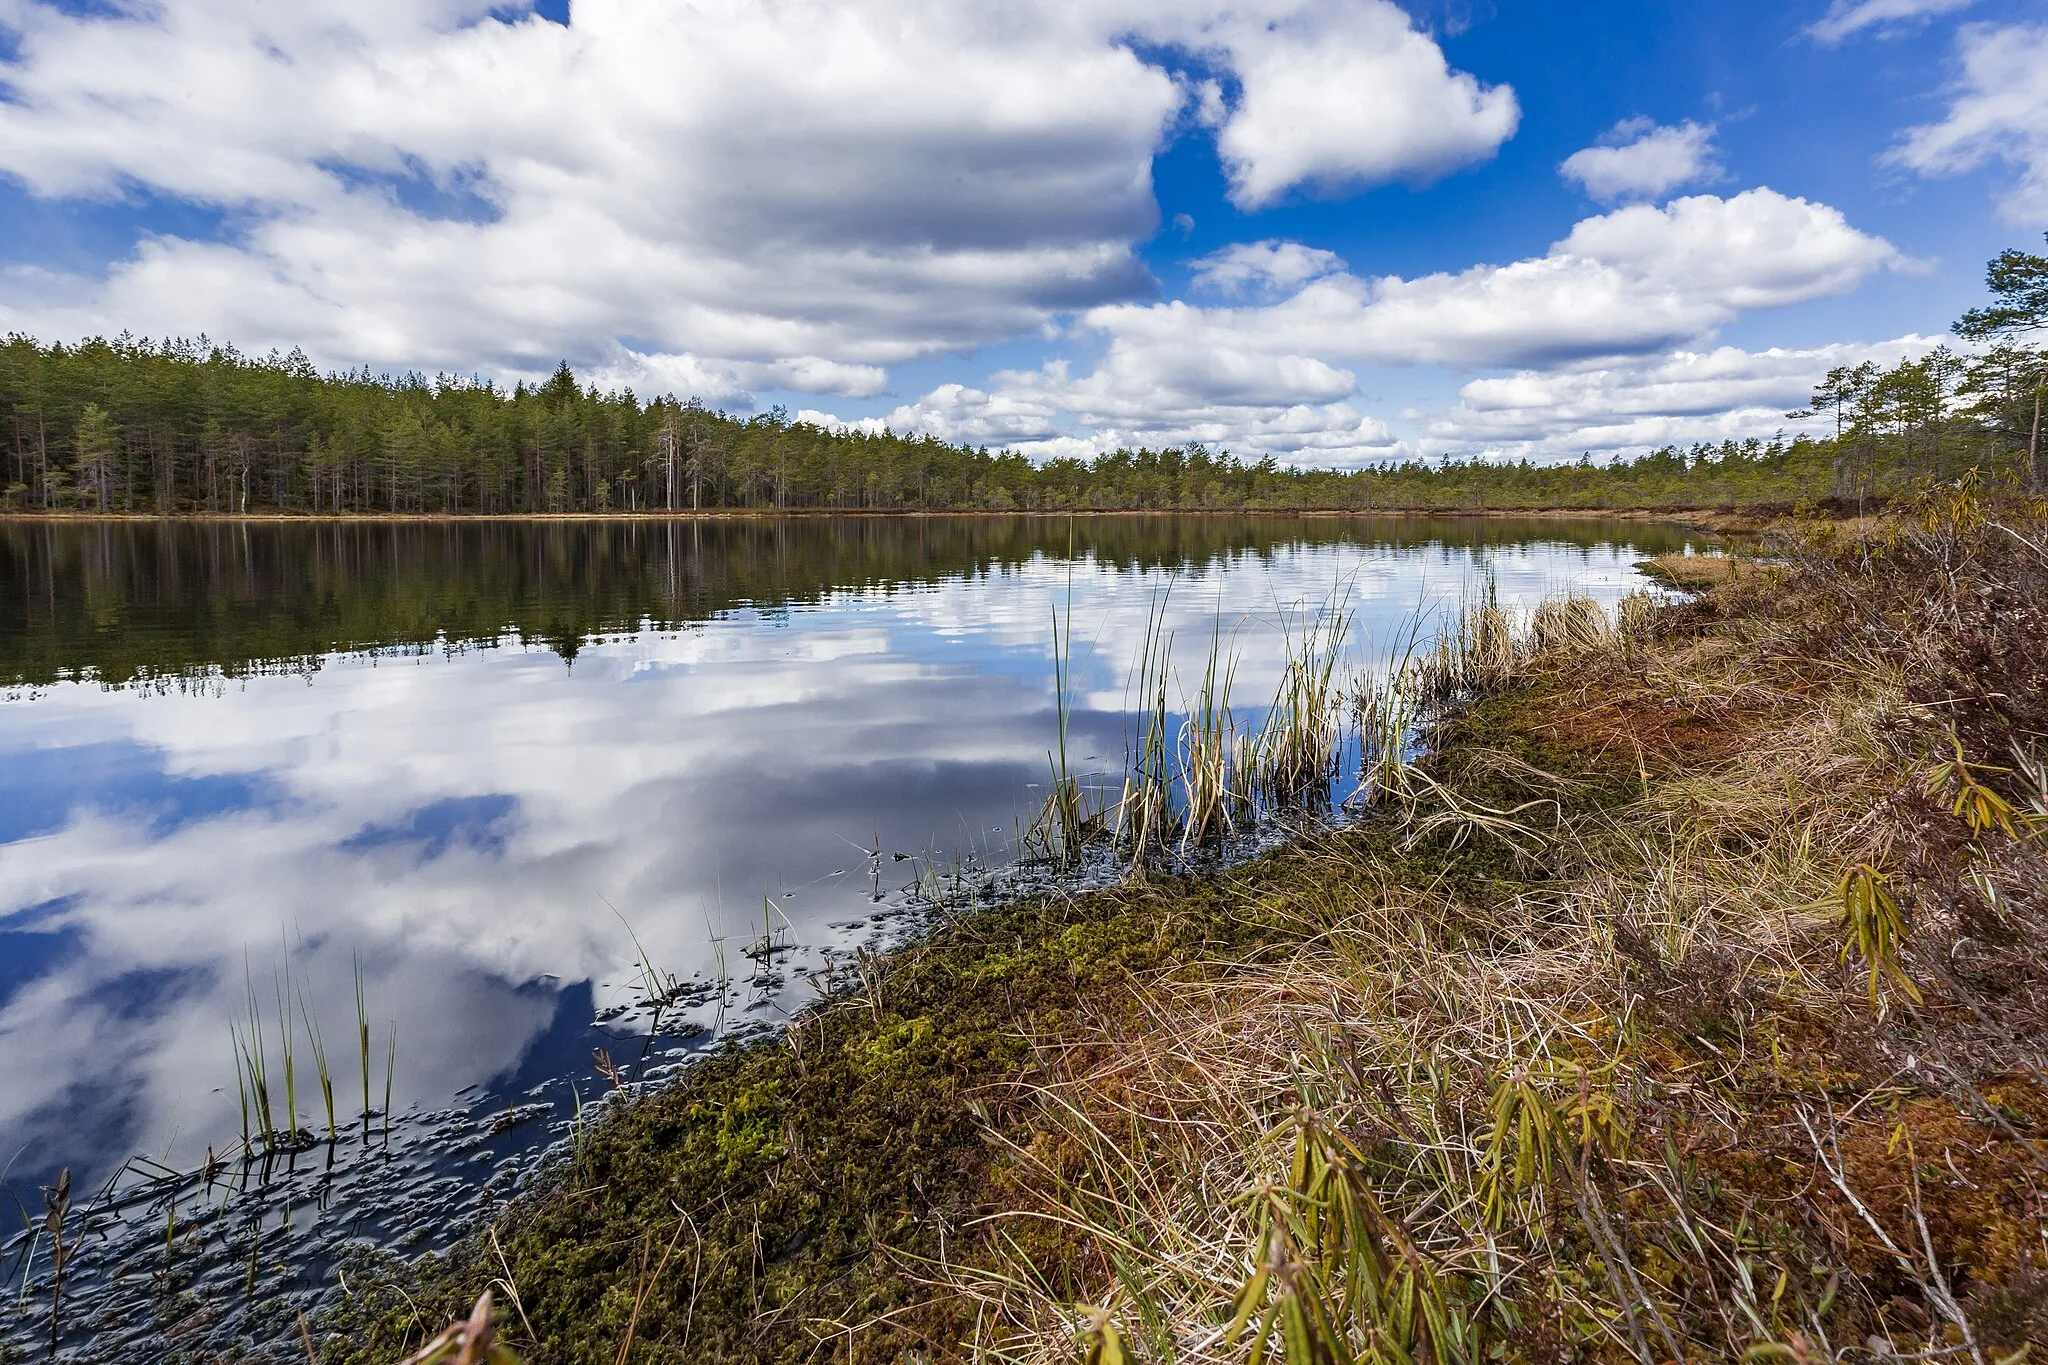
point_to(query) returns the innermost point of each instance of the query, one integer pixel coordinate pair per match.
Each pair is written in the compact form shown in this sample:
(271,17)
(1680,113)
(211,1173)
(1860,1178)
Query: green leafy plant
(1875,929)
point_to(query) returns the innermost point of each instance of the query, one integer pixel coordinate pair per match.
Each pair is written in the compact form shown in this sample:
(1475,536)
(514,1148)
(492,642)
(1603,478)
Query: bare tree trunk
(2034,442)
(668,453)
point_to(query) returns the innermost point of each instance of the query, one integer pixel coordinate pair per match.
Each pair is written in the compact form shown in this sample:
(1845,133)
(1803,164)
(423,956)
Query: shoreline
(1707,519)
(1604,958)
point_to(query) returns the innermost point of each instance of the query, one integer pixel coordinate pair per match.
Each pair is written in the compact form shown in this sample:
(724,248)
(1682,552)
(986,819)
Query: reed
(1144,814)
(285,1040)
(1478,655)
(56,1210)
(390,1070)
(235,1048)
(1208,749)
(724,972)
(1386,718)
(255,1064)
(311,1019)
(1635,615)
(1295,753)
(363,1039)
(658,989)
(1061,829)
(1570,625)
(763,949)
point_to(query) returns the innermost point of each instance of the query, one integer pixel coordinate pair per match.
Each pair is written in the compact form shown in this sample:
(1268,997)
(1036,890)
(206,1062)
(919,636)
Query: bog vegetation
(189,426)
(1682,1002)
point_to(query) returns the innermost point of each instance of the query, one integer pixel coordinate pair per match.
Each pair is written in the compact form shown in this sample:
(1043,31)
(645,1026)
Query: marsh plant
(266,1048)
(1212,764)
(1198,769)
(1703,1038)
(1293,755)
(1144,816)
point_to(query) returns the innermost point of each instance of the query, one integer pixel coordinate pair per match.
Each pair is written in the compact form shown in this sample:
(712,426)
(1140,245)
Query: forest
(188,426)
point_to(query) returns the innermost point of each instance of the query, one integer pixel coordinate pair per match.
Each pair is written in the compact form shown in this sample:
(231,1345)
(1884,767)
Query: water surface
(486,767)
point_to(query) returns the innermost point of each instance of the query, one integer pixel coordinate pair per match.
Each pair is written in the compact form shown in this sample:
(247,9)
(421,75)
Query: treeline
(191,427)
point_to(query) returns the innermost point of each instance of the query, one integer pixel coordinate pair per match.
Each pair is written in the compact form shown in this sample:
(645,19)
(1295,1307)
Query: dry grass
(1690,1008)
(1692,571)
(1688,1001)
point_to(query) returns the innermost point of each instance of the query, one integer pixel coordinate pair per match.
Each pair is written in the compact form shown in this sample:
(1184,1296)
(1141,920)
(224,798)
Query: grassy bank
(1686,1002)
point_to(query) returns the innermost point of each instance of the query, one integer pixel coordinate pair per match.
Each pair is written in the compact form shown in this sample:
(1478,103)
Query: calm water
(474,763)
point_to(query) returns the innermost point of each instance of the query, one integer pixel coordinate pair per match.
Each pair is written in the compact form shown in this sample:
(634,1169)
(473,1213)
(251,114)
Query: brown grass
(1688,1002)
(1585,1027)
(1692,571)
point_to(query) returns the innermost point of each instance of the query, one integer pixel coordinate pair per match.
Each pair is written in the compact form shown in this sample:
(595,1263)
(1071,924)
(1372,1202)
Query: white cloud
(974,416)
(1999,113)
(1641,159)
(1889,17)
(1280,377)
(1343,94)
(1049,413)
(1627,282)
(1673,398)
(726,192)
(1263,267)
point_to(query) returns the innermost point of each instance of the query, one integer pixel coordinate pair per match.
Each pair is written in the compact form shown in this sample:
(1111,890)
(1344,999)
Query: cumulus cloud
(1597,316)
(1999,112)
(1673,398)
(1051,413)
(1623,283)
(970,416)
(721,193)
(1639,159)
(1263,267)
(1342,94)
(1846,18)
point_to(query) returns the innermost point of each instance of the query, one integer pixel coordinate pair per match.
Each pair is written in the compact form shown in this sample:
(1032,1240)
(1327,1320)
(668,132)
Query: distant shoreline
(1711,519)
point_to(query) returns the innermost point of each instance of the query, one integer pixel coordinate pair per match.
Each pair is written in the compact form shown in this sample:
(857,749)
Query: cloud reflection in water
(464,821)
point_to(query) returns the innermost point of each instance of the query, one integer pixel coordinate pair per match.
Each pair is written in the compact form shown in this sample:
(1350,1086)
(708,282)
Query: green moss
(797,1183)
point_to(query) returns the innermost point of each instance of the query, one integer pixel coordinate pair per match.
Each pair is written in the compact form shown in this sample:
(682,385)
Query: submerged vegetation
(1681,1001)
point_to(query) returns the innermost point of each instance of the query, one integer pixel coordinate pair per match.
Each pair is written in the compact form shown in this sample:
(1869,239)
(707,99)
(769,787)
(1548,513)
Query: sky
(1333,232)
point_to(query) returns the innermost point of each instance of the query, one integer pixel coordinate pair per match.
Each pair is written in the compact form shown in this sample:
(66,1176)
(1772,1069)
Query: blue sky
(1330,231)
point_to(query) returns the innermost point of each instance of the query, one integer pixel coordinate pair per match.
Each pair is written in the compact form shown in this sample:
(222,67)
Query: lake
(264,785)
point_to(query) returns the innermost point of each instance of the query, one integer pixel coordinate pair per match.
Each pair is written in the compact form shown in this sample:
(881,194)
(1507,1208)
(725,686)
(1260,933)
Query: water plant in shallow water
(1144,815)
(1063,826)
(1210,759)
(1478,654)
(362,1039)
(56,1210)
(1294,755)
(266,1131)
(311,1020)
